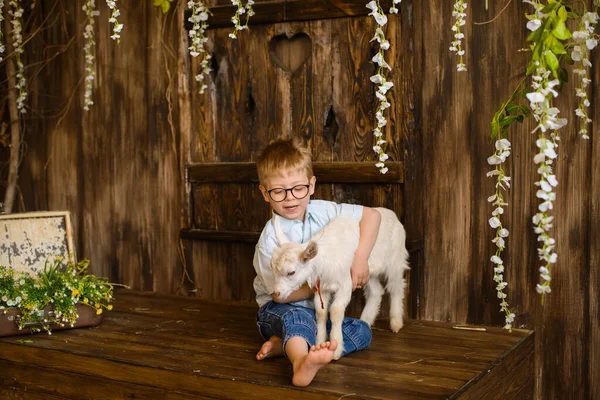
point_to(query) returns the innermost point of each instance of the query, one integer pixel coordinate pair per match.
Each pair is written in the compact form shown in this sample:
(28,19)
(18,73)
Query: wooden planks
(254,99)
(592,316)
(273,11)
(154,346)
(326,172)
(455,140)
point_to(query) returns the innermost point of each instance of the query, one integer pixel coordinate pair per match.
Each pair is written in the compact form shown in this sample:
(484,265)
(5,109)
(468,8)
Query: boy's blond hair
(283,155)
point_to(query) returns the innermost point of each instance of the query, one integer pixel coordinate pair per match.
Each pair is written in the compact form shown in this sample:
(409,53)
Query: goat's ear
(310,252)
(278,232)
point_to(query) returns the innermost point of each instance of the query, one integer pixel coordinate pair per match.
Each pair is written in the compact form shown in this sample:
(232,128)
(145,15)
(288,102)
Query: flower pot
(9,321)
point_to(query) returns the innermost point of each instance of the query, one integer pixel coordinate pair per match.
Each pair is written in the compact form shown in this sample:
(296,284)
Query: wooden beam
(290,10)
(226,236)
(326,172)
(252,237)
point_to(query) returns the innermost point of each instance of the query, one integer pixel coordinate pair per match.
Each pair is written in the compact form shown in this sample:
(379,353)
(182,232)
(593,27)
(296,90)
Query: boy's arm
(262,266)
(304,293)
(369,229)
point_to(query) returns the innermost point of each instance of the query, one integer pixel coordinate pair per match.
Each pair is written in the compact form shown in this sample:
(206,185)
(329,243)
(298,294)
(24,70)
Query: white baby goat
(324,262)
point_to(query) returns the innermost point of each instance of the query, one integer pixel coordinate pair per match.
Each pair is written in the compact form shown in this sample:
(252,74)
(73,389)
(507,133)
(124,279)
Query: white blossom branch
(384,84)
(89,49)
(198,40)
(502,184)
(237,17)
(117,26)
(459,14)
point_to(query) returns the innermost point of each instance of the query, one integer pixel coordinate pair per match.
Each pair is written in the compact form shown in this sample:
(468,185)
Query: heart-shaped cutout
(290,54)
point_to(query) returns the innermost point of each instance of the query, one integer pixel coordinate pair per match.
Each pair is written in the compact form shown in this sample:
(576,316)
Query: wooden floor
(156,347)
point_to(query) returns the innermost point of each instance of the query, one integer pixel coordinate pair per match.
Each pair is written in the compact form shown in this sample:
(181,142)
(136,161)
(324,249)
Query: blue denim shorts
(289,320)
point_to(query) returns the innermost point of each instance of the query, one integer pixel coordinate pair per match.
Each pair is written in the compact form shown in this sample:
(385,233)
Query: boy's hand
(359,272)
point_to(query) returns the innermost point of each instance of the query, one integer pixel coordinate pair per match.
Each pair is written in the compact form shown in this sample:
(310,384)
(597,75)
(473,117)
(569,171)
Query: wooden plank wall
(116,168)
(119,168)
(328,102)
(456,110)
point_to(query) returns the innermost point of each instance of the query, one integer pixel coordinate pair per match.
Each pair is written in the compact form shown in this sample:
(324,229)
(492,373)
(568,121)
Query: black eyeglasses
(279,194)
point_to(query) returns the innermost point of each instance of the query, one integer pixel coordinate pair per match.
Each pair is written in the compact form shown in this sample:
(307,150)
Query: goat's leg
(321,314)
(373,294)
(337,312)
(395,287)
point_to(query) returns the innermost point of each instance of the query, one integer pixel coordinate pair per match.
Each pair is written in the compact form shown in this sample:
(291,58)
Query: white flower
(535,97)
(534,24)
(385,87)
(494,160)
(494,222)
(377,79)
(542,289)
(381,19)
(379,60)
(502,144)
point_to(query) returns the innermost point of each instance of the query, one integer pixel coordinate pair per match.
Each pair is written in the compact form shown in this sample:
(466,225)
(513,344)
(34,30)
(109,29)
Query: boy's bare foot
(318,356)
(270,348)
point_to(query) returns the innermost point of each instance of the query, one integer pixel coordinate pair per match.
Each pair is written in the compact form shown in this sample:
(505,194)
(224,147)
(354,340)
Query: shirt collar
(286,224)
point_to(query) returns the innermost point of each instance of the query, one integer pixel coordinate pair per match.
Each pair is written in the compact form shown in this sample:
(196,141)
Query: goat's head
(291,263)
(291,266)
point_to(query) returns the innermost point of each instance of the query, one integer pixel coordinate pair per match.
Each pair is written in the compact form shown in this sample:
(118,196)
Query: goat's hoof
(396,324)
(337,354)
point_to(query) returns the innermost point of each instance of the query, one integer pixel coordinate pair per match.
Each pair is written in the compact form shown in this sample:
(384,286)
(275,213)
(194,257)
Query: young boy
(288,324)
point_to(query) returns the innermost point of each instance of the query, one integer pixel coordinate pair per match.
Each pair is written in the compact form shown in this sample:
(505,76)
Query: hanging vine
(550,41)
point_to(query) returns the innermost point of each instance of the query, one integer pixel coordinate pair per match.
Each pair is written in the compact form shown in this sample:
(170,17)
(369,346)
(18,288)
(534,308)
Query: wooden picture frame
(28,240)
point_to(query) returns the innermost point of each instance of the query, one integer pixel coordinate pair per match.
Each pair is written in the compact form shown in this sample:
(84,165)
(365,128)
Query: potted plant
(59,297)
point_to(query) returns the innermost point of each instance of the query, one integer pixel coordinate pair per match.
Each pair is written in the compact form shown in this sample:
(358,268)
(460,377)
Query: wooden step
(153,346)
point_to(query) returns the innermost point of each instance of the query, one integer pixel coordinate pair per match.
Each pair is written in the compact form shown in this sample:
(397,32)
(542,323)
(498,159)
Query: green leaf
(561,31)
(495,125)
(555,45)
(530,68)
(510,107)
(563,76)
(552,62)
(562,13)
(165,5)
(525,111)
(568,59)
(534,36)
(551,6)
(508,120)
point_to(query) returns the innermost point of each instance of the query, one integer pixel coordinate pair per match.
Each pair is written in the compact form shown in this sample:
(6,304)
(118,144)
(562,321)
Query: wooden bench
(167,347)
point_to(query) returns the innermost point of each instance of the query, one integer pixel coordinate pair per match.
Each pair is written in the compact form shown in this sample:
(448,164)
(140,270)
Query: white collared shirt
(318,214)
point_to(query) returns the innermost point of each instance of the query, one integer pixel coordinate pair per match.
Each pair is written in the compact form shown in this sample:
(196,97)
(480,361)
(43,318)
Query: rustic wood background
(121,168)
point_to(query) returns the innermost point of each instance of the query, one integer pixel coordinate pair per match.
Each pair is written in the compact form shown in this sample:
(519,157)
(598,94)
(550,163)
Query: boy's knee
(362,334)
(365,331)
